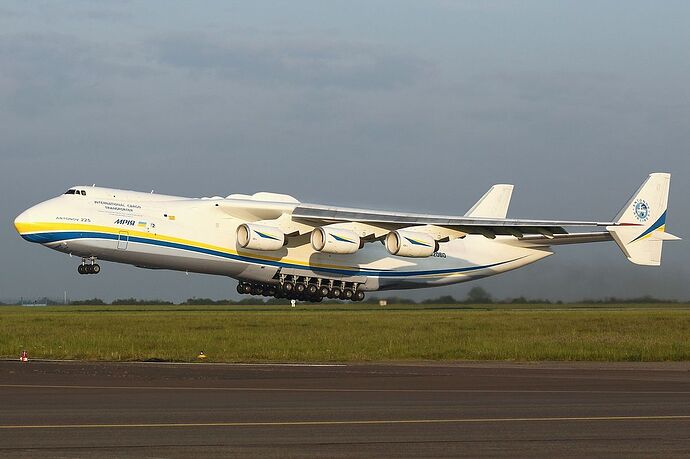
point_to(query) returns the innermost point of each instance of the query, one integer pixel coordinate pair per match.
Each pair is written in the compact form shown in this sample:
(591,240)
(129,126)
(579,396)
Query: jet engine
(260,237)
(328,239)
(407,243)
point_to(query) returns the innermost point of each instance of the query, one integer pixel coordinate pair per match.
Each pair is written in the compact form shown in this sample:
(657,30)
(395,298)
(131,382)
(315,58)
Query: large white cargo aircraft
(276,246)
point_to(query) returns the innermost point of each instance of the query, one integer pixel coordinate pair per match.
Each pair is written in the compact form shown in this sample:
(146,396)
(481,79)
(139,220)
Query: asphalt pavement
(83,409)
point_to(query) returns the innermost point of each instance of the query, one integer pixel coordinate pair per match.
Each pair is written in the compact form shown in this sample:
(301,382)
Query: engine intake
(327,239)
(406,243)
(260,237)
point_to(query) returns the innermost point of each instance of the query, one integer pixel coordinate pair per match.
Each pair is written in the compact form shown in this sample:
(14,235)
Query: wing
(318,215)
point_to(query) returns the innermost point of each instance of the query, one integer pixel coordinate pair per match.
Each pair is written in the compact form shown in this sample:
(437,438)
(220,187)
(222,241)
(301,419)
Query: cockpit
(77,192)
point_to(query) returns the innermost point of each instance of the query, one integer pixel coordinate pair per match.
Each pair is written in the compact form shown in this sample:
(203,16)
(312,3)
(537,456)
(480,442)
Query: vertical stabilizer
(641,225)
(494,204)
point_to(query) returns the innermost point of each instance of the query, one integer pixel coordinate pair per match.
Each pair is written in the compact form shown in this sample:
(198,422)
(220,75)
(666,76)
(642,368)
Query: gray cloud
(44,71)
(310,64)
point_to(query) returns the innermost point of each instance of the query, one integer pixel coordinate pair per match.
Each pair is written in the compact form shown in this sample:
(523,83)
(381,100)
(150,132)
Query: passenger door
(122,240)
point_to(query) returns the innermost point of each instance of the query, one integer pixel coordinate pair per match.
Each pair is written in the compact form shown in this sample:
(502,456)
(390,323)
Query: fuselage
(193,234)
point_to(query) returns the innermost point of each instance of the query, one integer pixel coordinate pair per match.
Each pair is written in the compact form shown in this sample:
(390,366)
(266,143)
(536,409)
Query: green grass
(337,333)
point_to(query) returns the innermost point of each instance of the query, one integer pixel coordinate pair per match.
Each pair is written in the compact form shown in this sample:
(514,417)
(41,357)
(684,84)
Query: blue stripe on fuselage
(51,237)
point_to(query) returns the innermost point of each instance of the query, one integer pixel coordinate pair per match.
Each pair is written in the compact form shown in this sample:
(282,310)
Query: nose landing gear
(91,268)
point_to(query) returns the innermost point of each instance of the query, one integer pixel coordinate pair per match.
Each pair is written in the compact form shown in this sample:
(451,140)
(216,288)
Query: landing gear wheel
(300,288)
(358,296)
(240,289)
(95,269)
(81,269)
(347,294)
(324,291)
(312,289)
(288,287)
(335,293)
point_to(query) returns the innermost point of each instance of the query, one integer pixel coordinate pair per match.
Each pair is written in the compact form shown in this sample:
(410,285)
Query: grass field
(359,332)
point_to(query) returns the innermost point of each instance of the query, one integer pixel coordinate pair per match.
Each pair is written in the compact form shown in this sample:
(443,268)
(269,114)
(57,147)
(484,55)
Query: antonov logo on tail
(641,209)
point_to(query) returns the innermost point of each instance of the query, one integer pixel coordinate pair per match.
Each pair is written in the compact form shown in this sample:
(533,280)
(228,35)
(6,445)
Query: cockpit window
(83,192)
(70,192)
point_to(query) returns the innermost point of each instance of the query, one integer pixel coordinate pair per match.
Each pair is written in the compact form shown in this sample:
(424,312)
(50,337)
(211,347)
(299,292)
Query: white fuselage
(195,235)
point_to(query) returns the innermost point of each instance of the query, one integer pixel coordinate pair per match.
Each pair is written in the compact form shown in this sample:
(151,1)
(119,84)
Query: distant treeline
(121,302)
(476,295)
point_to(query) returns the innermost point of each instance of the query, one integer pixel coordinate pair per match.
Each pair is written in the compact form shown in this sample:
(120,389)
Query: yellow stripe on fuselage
(27,228)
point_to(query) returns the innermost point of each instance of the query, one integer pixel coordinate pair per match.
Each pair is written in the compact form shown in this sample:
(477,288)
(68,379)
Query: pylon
(24,357)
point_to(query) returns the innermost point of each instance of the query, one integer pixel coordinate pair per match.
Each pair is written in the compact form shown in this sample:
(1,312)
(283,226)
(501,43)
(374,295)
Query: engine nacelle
(406,243)
(328,239)
(260,237)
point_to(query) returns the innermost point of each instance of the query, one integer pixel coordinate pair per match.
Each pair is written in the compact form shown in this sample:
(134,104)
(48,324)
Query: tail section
(640,227)
(494,204)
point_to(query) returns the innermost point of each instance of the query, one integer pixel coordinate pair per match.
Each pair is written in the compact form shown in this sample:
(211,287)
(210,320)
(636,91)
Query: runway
(77,409)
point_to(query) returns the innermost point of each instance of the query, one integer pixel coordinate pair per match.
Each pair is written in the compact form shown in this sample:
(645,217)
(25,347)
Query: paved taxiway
(75,409)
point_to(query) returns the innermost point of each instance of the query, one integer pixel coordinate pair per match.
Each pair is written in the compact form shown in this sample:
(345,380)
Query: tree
(91,302)
(478,295)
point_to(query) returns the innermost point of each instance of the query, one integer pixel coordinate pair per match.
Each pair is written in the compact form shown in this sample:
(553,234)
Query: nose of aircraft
(21,220)
(24,221)
(29,223)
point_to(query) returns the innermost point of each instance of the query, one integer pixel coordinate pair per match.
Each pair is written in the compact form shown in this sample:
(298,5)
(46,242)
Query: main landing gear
(304,289)
(89,266)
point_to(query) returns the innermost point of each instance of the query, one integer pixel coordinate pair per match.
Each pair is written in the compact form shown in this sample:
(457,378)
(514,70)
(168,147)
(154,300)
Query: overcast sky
(416,106)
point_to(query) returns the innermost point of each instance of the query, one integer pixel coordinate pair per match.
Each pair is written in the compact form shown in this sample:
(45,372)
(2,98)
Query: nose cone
(21,222)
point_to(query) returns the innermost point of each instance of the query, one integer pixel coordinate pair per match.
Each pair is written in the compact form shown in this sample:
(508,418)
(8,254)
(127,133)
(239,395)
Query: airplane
(276,246)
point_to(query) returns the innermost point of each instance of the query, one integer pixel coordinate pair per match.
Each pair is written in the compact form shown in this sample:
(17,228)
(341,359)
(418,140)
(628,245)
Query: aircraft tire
(358,296)
(95,269)
(324,291)
(300,288)
(347,294)
(81,269)
(288,287)
(335,292)
(312,289)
